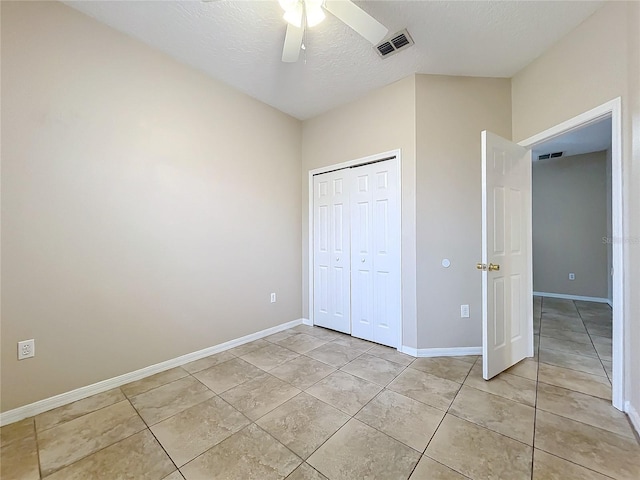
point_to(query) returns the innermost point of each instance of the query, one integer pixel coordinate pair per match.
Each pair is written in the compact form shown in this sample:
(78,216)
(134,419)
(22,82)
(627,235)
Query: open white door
(507,277)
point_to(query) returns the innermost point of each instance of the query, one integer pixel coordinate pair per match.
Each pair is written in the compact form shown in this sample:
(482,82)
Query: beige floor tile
(228,375)
(424,387)
(249,347)
(344,391)
(19,459)
(472,359)
(599,330)
(550,467)
(356,344)
(595,385)
(17,431)
(334,354)
(69,442)
(604,347)
(567,346)
(260,395)
(318,332)
(605,452)
(306,472)
(374,369)
(276,337)
(429,469)
(583,408)
(174,476)
(208,362)
(139,456)
(602,318)
(301,343)
(77,409)
(559,305)
(269,357)
(154,381)
(496,413)
(248,454)
(302,372)
(573,362)
(608,367)
(578,334)
(479,453)
(193,431)
(358,451)
(167,400)
(526,368)
(583,305)
(443,367)
(303,423)
(408,421)
(390,354)
(512,387)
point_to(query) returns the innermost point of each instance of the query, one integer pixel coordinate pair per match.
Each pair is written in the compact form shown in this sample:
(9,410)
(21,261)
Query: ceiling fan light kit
(300,14)
(295,10)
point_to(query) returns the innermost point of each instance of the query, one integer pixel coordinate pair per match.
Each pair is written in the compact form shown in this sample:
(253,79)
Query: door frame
(619,231)
(378,157)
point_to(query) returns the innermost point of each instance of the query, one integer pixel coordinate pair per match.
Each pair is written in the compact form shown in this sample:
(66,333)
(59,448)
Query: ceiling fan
(303,14)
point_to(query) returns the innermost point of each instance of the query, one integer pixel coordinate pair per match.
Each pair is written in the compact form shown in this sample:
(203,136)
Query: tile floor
(311,404)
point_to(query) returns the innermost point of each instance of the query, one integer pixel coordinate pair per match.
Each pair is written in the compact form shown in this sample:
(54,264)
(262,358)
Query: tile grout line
(535,408)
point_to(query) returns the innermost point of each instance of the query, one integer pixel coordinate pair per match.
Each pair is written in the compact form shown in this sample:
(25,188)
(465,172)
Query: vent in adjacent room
(398,41)
(547,156)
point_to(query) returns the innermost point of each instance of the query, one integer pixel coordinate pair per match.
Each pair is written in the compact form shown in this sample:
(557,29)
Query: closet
(356,251)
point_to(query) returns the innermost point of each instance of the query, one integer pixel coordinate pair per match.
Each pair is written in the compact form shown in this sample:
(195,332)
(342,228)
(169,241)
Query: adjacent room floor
(312,404)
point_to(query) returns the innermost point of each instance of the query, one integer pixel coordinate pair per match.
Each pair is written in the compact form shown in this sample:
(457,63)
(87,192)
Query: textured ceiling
(240,43)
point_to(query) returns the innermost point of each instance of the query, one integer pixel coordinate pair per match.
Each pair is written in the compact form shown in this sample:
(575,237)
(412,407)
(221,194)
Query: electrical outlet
(464,311)
(26,349)
(572,276)
(273,298)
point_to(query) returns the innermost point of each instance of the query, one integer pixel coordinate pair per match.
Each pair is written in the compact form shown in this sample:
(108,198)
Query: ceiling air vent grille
(398,41)
(547,156)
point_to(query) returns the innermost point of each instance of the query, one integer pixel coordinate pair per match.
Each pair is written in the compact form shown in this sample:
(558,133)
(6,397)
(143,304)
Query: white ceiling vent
(396,42)
(547,156)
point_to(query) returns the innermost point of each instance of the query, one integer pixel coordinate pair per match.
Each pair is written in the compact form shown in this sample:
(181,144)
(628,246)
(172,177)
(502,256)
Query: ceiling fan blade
(292,44)
(356,18)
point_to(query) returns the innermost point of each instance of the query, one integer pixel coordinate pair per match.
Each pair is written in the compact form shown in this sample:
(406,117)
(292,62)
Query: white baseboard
(634,416)
(306,321)
(441,352)
(56,401)
(573,297)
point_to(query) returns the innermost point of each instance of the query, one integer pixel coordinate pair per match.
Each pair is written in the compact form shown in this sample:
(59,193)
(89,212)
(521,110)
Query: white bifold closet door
(367,233)
(331,295)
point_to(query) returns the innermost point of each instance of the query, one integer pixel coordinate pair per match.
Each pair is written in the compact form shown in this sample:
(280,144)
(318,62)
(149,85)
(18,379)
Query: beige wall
(569,225)
(451,113)
(633,179)
(381,121)
(147,210)
(595,63)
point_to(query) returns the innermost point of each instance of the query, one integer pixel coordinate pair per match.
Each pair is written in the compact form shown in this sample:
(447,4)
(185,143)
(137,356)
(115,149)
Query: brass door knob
(494,267)
(481,266)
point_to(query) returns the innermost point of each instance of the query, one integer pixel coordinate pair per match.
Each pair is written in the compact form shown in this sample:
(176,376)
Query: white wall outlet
(464,311)
(572,276)
(26,349)
(273,298)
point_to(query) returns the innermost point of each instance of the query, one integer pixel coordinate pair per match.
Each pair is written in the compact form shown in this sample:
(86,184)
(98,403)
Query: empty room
(320,240)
